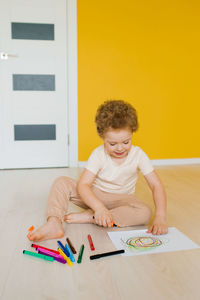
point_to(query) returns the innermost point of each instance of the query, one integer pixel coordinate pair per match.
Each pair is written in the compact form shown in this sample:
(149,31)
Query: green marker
(45,257)
(80,254)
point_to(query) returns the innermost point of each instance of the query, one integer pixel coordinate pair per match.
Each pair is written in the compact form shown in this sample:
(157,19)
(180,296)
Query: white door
(33,84)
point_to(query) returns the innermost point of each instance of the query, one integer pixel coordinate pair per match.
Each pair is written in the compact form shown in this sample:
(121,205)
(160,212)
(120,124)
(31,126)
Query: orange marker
(112,224)
(31,228)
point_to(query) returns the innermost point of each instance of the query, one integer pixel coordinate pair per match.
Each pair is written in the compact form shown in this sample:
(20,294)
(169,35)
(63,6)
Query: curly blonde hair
(115,114)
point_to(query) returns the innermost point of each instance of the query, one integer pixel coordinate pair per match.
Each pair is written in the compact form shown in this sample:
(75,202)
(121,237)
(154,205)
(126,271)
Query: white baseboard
(163,162)
(175,162)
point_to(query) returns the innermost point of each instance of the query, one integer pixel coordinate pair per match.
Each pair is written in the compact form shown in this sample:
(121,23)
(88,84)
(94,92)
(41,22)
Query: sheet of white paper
(138,242)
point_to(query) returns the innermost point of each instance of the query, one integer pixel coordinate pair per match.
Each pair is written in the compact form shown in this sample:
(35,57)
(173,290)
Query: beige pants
(126,210)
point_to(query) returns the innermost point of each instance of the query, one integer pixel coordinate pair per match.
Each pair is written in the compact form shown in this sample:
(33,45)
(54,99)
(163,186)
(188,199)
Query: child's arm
(101,213)
(159,225)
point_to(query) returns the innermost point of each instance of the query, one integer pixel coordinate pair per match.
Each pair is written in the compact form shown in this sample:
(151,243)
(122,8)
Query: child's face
(118,142)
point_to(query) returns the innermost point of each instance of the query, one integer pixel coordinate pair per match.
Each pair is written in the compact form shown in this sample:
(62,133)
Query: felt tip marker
(106,254)
(71,246)
(70,253)
(91,242)
(38,255)
(49,253)
(38,246)
(56,257)
(61,246)
(112,224)
(80,254)
(65,257)
(31,228)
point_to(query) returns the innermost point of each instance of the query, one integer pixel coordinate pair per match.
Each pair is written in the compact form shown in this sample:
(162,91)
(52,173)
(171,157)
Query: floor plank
(173,275)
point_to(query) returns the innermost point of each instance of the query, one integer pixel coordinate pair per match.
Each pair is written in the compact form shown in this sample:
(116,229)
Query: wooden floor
(170,276)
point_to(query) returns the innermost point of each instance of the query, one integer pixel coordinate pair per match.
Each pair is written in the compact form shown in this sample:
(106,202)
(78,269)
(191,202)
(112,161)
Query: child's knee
(62,180)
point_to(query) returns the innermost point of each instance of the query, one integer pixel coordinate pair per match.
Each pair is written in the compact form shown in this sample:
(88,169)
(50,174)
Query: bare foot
(82,217)
(51,230)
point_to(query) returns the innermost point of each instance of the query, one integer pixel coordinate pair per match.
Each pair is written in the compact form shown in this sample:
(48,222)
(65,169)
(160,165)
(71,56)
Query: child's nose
(119,147)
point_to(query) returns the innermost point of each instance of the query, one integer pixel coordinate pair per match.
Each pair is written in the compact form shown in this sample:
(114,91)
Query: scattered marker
(70,253)
(38,246)
(71,246)
(38,255)
(31,228)
(91,242)
(106,254)
(65,257)
(80,254)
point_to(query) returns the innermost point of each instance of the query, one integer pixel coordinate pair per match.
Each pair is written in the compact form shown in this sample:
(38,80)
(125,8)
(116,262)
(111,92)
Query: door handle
(4,55)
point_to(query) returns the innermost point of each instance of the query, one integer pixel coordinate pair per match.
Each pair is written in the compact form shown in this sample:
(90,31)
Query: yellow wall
(147,53)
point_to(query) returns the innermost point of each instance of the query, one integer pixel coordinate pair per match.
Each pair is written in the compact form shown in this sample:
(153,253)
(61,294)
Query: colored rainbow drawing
(142,243)
(139,242)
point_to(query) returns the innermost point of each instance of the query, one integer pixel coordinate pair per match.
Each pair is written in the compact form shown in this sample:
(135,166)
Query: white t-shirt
(114,178)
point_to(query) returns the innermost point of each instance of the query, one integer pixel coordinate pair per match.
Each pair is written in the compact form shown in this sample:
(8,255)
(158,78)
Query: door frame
(72,87)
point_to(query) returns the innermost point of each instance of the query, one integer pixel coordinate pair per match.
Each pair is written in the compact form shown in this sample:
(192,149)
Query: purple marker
(57,257)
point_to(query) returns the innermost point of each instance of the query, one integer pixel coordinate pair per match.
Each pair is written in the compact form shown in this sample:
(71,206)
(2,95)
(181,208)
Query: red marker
(38,246)
(91,242)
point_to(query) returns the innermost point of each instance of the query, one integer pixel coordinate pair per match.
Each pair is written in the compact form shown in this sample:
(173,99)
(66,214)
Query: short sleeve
(94,162)
(145,164)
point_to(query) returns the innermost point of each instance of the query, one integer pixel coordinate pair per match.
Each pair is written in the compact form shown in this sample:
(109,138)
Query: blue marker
(64,249)
(70,253)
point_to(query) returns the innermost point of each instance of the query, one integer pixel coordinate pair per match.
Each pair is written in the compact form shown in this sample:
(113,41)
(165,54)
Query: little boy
(107,184)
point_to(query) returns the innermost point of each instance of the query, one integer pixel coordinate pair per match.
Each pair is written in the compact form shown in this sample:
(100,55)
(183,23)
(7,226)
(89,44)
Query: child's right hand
(103,217)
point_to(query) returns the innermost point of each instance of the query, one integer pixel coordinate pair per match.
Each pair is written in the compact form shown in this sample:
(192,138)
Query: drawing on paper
(139,242)
(142,243)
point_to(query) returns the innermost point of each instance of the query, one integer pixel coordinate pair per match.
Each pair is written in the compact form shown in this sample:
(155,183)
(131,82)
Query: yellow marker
(65,257)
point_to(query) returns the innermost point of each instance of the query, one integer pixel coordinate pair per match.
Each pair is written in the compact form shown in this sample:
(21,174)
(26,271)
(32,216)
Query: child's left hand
(159,226)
